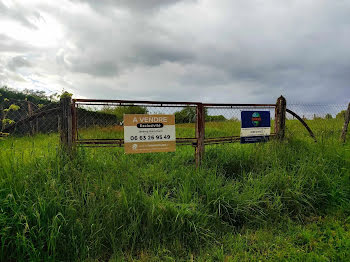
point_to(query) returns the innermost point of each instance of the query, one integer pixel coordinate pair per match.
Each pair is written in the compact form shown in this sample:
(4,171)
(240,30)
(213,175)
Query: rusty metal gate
(98,123)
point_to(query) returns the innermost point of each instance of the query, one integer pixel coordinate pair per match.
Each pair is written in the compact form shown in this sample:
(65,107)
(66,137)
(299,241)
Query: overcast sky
(246,51)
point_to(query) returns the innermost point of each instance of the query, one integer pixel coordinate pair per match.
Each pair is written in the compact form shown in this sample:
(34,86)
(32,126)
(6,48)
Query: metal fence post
(280,117)
(346,124)
(66,123)
(200,133)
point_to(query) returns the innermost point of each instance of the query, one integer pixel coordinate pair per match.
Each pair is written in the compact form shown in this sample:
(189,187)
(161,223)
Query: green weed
(272,201)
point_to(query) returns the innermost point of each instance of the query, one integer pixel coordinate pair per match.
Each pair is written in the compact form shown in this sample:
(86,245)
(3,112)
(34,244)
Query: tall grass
(103,203)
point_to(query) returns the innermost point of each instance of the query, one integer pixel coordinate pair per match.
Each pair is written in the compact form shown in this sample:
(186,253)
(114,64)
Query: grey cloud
(17,62)
(204,76)
(8,44)
(88,62)
(98,68)
(134,5)
(19,14)
(152,54)
(110,47)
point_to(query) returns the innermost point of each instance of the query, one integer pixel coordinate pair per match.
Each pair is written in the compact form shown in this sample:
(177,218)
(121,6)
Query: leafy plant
(65,94)
(341,115)
(4,111)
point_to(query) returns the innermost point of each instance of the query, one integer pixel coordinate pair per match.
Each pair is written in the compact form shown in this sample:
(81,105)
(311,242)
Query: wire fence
(223,121)
(26,118)
(103,120)
(325,120)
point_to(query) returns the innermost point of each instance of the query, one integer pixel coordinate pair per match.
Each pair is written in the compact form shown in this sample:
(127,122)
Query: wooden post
(74,123)
(200,133)
(30,113)
(280,117)
(1,117)
(59,123)
(66,123)
(346,124)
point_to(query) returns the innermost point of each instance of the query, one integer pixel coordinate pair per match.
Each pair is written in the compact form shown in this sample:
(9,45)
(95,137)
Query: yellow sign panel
(149,133)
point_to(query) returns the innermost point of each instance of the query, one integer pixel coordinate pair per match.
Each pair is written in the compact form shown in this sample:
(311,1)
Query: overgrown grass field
(260,202)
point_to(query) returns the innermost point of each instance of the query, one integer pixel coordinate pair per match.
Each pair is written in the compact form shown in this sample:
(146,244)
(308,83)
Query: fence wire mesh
(28,128)
(98,121)
(104,120)
(325,120)
(225,121)
(26,118)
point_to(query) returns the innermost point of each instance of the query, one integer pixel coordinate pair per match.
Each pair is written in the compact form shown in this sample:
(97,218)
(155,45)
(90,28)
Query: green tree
(218,118)
(341,115)
(119,111)
(186,115)
(36,97)
(328,116)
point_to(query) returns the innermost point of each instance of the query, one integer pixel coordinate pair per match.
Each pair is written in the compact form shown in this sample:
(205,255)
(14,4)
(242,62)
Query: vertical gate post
(200,133)
(74,123)
(280,117)
(66,123)
(31,124)
(346,124)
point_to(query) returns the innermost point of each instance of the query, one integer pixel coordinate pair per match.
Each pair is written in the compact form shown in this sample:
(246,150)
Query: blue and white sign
(256,126)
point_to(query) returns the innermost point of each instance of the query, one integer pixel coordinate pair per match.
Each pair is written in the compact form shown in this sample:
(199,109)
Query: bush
(188,115)
(119,111)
